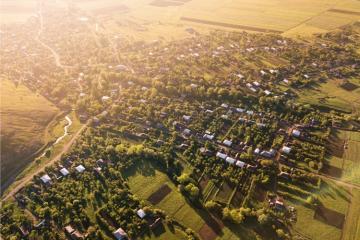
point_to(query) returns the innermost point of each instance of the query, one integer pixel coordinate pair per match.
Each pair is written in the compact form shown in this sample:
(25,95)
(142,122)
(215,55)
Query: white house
(286,149)
(296,133)
(230,160)
(45,179)
(186,117)
(105,98)
(64,172)
(257,151)
(240,110)
(224,105)
(187,131)
(120,234)
(221,155)
(80,168)
(227,142)
(267,92)
(208,136)
(141,213)
(240,164)
(256,84)
(248,112)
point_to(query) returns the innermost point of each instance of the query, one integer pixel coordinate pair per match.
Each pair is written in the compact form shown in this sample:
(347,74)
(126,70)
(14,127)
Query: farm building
(64,172)
(224,105)
(80,168)
(120,234)
(186,131)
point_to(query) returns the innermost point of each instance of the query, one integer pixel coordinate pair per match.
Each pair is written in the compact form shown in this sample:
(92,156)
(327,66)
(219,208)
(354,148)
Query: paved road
(22,182)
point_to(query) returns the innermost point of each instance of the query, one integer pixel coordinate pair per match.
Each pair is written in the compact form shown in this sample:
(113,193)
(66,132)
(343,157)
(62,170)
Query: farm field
(332,96)
(151,19)
(24,119)
(175,204)
(352,230)
(334,201)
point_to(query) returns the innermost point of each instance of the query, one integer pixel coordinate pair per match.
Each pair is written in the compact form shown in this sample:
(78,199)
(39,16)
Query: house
(240,164)
(221,155)
(186,117)
(286,149)
(69,229)
(46,179)
(296,133)
(286,81)
(187,131)
(253,89)
(267,92)
(208,136)
(224,105)
(120,234)
(227,142)
(256,84)
(306,76)
(205,151)
(80,168)
(105,98)
(261,125)
(268,154)
(240,110)
(141,213)
(230,160)
(64,172)
(257,151)
(262,72)
(248,112)
(224,116)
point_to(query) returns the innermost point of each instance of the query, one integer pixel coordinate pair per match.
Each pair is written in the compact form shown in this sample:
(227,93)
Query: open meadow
(24,119)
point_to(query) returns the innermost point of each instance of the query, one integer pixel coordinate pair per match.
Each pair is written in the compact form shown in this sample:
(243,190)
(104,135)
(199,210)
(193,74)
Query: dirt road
(22,182)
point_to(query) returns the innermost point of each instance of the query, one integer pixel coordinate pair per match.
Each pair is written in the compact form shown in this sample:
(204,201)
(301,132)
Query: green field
(24,119)
(331,96)
(175,204)
(332,197)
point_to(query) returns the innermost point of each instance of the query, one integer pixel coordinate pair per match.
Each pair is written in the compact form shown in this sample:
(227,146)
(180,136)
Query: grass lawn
(24,118)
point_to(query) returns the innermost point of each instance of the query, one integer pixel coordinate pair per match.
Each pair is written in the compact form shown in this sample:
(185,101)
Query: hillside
(24,117)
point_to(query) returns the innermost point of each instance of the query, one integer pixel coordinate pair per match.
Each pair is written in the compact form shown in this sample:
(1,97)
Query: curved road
(22,182)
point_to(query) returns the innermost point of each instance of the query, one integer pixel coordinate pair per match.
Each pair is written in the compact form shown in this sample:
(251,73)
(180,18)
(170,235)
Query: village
(216,116)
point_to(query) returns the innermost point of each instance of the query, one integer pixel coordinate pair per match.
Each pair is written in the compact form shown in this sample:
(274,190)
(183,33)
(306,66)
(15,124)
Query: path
(22,182)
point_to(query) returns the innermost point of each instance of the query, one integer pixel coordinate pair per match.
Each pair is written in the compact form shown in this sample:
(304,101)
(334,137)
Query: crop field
(175,204)
(334,201)
(352,230)
(151,19)
(24,119)
(331,96)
